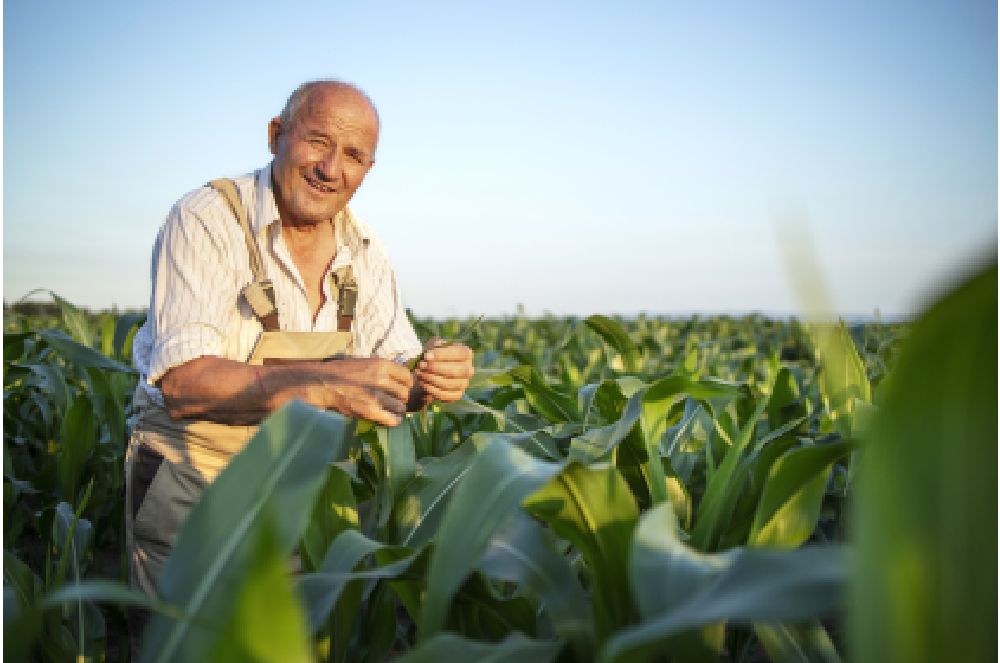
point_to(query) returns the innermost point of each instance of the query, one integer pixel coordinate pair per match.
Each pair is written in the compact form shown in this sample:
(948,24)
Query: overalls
(169,462)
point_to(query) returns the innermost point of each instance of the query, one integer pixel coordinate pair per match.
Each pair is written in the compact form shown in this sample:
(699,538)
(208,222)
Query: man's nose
(331,165)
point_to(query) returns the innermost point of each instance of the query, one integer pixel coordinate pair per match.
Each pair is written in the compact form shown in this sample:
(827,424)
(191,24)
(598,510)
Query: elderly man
(266,289)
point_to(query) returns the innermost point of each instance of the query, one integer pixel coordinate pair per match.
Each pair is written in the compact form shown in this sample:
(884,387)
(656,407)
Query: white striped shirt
(200,265)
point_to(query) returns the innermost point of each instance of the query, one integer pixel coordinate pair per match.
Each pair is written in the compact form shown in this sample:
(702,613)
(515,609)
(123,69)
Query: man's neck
(304,236)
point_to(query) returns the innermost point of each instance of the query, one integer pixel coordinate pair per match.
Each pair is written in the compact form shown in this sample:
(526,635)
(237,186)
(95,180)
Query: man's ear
(273,131)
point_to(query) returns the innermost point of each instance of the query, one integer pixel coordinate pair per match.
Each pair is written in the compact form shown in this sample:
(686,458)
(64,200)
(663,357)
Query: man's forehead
(340,101)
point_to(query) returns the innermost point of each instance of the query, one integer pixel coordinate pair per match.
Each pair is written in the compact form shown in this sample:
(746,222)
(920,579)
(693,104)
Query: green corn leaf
(341,592)
(515,648)
(339,567)
(597,442)
(53,384)
(926,508)
(724,486)
(615,336)
(842,378)
(14,345)
(267,622)
(126,327)
(335,510)
(22,619)
(107,325)
(18,576)
(285,463)
(593,508)
(79,355)
(783,403)
(538,443)
(678,588)
(464,407)
(797,643)
(657,402)
(793,495)
(480,612)
(106,591)
(107,405)
(72,534)
(380,627)
(78,437)
(420,504)
(523,552)
(399,459)
(75,321)
(499,478)
(546,401)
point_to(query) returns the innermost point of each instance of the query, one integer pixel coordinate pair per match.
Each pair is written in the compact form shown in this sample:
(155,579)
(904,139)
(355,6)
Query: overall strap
(343,282)
(259,294)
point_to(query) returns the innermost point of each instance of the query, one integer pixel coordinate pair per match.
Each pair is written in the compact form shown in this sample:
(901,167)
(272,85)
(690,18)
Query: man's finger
(391,371)
(447,369)
(443,381)
(443,395)
(452,352)
(395,380)
(435,342)
(382,409)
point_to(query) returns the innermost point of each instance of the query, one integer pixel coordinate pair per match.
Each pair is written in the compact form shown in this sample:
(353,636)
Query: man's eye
(356,157)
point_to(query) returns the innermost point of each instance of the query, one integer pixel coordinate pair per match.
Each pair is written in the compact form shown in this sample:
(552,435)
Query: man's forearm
(232,392)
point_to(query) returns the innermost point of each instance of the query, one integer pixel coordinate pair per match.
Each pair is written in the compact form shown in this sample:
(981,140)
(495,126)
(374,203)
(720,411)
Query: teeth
(321,187)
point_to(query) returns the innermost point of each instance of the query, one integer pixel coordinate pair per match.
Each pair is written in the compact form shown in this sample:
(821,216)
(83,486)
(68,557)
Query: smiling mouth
(319,186)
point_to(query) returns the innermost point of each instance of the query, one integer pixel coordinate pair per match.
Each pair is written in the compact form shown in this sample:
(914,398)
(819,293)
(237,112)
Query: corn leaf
(420,504)
(523,552)
(615,336)
(679,588)
(593,508)
(545,400)
(81,356)
(657,402)
(399,461)
(790,504)
(497,481)
(280,470)
(926,508)
(267,624)
(515,648)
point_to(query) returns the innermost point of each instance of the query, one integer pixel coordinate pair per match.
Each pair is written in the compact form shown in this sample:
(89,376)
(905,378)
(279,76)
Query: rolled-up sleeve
(195,289)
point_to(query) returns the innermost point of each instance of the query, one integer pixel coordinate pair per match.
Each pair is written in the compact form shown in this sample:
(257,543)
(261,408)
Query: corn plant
(609,489)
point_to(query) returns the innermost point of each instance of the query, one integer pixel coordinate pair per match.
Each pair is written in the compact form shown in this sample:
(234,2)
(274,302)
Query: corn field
(648,489)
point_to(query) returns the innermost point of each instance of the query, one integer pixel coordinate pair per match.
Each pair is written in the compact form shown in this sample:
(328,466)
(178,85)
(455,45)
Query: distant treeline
(52,309)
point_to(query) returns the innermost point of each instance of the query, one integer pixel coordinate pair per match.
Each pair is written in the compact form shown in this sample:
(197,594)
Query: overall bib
(169,462)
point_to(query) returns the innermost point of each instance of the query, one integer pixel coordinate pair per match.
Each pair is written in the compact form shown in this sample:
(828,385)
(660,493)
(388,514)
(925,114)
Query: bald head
(307,93)
(323,145)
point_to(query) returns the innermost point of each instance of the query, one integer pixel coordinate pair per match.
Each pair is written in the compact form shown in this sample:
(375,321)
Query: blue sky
(571,157)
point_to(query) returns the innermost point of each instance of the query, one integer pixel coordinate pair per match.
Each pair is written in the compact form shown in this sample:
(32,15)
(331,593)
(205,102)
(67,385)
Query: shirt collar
(350,230)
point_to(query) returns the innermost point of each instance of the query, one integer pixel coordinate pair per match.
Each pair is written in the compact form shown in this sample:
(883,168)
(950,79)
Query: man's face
(322,158)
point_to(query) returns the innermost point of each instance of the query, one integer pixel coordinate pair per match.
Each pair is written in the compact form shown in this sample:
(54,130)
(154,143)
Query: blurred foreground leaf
(926,508)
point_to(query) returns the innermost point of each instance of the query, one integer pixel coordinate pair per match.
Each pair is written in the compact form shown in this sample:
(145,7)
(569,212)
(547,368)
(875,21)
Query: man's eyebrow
(318,133)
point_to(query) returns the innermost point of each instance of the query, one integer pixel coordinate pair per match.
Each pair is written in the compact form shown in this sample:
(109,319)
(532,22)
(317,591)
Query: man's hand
(373,389)
(444,371)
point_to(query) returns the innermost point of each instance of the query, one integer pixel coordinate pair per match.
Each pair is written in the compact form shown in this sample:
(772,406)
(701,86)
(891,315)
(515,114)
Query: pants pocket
(160,510)
(144,469)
